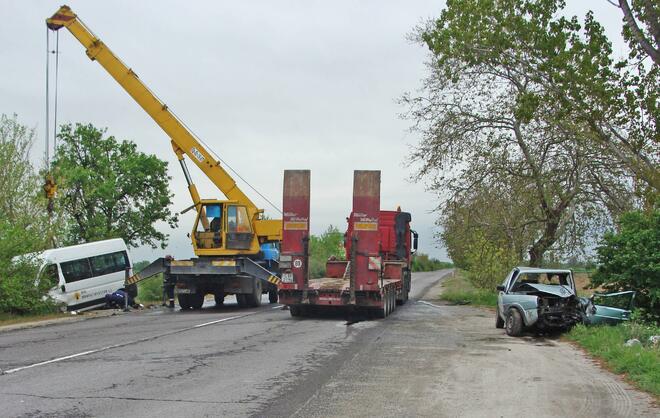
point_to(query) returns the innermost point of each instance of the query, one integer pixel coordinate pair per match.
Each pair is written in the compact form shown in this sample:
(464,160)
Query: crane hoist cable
(226,164)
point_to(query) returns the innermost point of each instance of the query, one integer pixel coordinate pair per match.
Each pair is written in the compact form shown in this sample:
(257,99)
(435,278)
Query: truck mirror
(415,240)
(63,288)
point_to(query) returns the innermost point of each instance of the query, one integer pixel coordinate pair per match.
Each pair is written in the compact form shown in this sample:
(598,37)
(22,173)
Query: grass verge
(457,289)
(12,319)
(640,363)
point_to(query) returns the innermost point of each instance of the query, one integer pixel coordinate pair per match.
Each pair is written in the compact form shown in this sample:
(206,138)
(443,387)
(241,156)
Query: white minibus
(85,273)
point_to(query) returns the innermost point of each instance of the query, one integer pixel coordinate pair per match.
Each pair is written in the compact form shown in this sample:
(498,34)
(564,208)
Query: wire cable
(57,66)
(46,153)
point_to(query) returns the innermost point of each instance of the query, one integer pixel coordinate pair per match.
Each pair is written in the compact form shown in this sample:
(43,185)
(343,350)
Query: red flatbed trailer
(374,277)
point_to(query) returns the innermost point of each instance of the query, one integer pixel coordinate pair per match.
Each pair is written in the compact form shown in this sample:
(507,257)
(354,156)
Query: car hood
(552,289)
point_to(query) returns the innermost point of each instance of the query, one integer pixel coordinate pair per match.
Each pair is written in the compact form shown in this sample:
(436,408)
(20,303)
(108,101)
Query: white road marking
(429,303)
(220,320)
(276,307)
(97,350)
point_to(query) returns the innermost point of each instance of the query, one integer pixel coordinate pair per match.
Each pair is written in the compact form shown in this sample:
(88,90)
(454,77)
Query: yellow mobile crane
(230,238)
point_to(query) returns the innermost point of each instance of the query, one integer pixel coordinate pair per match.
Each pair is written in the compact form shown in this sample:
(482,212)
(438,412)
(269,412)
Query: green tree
(630,259)
(24,226)
(519,97)
(108,189)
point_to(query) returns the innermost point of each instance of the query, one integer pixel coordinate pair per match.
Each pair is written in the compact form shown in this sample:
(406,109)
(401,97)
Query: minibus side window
(76,270)
(109,263)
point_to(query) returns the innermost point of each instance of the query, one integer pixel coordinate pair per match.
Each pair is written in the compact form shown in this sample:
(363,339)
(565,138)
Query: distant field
(582,281)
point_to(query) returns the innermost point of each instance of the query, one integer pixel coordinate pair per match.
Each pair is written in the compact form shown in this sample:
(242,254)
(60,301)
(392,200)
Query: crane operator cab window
(239,231)
(208,233)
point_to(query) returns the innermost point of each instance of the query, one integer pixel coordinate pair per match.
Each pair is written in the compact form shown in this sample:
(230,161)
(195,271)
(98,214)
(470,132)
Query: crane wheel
(272,296)
(184,301)
(253,299)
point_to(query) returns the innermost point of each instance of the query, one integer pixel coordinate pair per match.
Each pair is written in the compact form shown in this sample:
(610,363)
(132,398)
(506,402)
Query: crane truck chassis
(231,239)
(376,274)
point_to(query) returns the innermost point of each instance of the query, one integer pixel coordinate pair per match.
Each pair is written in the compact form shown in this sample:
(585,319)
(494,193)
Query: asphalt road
(427,359)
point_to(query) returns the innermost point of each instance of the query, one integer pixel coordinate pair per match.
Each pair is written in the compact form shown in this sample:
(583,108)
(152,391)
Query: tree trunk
(544,243)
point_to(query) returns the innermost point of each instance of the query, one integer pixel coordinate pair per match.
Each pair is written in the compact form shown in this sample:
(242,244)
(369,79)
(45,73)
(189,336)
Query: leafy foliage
(422,262)
(149,290)
(630,259)
(24,226)
(110,190)
(321,247)
(532,106)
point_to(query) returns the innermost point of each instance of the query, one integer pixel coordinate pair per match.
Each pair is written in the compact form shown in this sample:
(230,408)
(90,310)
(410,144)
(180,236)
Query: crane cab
(223,225)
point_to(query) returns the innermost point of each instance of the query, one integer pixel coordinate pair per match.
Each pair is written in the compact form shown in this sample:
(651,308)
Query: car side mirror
(501,288)
(63,288)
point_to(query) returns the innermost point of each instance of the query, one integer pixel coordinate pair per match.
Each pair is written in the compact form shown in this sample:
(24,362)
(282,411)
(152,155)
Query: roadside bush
(630,260)
(20,293)
(422,262)
(488,263)
(150,290)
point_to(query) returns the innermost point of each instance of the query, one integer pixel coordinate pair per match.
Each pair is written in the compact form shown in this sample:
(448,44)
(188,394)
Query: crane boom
(183,141)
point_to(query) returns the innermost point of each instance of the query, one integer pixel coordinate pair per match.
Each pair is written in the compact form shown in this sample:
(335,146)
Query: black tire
(382,312)
(253,299)
(295,311)
(272,296)
(184,301)
(219,299)
(514,323)
(240,298)
(499,322)
(196,301)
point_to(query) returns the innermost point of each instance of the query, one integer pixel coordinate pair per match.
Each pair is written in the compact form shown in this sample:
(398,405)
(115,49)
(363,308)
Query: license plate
(287,278)
(182,291)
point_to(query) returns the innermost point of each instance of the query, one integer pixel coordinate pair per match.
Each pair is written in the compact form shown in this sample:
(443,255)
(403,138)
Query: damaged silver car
(546,300)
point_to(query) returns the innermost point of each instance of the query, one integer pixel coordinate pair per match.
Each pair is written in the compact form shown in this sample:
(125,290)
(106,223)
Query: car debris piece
(632,342)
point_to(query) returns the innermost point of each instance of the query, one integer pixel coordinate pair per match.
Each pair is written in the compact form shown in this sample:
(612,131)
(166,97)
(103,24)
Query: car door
(611,308)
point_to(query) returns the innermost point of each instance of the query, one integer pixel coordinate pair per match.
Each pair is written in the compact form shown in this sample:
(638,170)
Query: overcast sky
(269,85)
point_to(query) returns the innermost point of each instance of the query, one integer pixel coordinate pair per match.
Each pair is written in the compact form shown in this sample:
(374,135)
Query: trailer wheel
(272,296)
(381,312)
(184,301)
(219,299)
(295,310)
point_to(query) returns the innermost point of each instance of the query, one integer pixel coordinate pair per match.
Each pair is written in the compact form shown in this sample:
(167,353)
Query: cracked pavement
(427,359)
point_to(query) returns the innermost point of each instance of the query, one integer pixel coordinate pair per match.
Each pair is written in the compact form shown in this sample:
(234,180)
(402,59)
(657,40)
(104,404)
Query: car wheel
(295,310)
(499,322)
(514,323)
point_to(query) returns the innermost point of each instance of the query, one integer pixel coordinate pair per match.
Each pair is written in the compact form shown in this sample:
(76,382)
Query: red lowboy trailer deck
(374,277)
